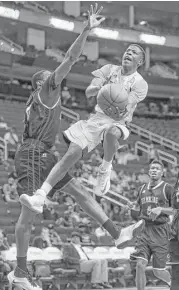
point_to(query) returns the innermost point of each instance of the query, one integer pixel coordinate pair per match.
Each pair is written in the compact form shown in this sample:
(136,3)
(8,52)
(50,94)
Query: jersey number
(149,210)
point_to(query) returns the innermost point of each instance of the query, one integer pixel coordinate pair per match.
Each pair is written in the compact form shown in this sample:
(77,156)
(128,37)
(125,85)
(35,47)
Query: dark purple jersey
(41,122)
(152,197)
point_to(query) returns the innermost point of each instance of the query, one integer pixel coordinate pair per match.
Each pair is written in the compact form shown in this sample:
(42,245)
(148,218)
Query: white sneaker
(128,233)
(103,181)
(34,202)
(25,283)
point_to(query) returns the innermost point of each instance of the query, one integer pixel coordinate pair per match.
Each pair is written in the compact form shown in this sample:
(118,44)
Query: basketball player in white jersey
(101,126)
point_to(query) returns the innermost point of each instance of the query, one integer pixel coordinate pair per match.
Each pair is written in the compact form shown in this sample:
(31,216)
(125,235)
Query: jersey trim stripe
(49,108)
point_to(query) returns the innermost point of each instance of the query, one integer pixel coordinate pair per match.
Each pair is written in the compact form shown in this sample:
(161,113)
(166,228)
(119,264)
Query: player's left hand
(115,113)
(154,213)
(94,17)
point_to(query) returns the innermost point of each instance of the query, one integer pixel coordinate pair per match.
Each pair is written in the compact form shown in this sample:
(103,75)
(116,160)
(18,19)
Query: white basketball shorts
(89,133)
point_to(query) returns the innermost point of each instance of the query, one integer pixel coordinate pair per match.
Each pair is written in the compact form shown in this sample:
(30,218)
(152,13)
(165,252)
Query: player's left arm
(169,190)
(138,93)
(74,52)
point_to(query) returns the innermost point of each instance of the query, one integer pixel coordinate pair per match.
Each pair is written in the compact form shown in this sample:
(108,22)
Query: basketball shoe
(128,234)
(35,202)
(26,282)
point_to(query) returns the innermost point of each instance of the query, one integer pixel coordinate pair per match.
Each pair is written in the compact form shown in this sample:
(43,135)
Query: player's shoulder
(168,186)
(142,188)
(105,70)
(139,79)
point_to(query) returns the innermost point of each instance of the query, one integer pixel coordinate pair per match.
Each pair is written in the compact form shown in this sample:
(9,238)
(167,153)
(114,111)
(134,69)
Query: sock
(110,228)
(46,187)
(22,263)
(105,164)
(140,278)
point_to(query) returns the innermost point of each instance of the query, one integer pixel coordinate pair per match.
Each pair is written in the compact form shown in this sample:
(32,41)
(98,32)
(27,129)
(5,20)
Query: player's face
(132,57)
(155,171)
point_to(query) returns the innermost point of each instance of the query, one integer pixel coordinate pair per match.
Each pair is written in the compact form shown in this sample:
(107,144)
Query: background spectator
(10,191)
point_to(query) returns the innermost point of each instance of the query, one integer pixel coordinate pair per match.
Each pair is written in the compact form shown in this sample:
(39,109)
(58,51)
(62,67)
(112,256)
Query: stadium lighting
(106,33)
(62,24)
(9,13)
(142,22)
(152,39)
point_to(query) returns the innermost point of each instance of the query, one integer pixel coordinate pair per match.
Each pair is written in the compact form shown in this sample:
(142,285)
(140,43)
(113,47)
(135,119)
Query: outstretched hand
(94,19)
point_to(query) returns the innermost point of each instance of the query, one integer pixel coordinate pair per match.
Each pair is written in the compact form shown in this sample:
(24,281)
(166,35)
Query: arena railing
(164,156)
(3,146)
(113,197)
(154,137)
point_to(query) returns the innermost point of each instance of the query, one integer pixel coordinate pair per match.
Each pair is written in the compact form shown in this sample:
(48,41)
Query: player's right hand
(115,113)
(130,205)
(94,17)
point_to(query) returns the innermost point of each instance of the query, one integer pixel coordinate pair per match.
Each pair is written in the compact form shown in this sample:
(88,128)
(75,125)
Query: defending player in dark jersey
(154,206)
(174,242)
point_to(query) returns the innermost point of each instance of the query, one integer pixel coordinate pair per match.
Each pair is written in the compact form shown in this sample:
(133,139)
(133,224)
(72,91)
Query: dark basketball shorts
(174,251)
(33,163)
(153,242)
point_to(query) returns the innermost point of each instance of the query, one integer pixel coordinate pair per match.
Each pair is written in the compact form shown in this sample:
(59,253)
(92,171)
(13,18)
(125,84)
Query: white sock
(105,164)
(46,187)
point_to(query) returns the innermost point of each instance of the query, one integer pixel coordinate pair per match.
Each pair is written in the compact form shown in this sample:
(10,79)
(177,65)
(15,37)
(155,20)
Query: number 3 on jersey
(149,209)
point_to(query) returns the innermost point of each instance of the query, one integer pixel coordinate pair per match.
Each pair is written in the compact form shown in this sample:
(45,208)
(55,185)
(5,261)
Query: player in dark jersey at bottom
(34,159)
(174,242)
(154,205)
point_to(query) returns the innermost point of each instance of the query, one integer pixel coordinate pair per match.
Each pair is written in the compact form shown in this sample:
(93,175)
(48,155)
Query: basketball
(112,96)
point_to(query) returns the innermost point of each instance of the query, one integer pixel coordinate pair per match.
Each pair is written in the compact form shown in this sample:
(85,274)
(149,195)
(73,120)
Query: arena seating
(13,113)
(165,128)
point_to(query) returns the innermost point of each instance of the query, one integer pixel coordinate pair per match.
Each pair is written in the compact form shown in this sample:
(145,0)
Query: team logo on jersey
(149,199)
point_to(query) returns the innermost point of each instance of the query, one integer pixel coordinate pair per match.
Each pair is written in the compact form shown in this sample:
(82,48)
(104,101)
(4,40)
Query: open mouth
(127,58)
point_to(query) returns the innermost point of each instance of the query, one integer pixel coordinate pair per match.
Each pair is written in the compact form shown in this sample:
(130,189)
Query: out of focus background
(35,36)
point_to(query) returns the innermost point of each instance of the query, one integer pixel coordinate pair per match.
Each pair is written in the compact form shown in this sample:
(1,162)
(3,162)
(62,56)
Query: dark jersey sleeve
(50,91)
(169,193)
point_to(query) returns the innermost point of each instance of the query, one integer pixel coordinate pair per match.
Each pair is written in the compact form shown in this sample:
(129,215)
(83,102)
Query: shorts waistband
(36,143)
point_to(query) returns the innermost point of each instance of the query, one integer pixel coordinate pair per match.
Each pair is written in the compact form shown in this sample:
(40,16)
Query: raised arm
(72,55)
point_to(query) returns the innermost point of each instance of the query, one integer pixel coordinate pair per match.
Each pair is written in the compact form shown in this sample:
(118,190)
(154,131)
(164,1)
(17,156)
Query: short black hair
(142,50)
(156,161)
(39,76)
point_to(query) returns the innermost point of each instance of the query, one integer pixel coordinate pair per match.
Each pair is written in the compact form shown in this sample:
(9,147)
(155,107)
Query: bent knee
(74,151)
(141,263)
(96,262)
(113,132)
(23,226)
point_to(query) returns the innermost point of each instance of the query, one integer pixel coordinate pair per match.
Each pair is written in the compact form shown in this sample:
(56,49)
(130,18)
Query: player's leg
(174,262)
(140,273)
(140,259)
(160,249)
(92,208)
(21,277)
(112,136)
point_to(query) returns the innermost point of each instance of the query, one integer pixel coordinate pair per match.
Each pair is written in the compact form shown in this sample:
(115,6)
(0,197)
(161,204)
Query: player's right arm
(74,52)
(135,207)
(100,77)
